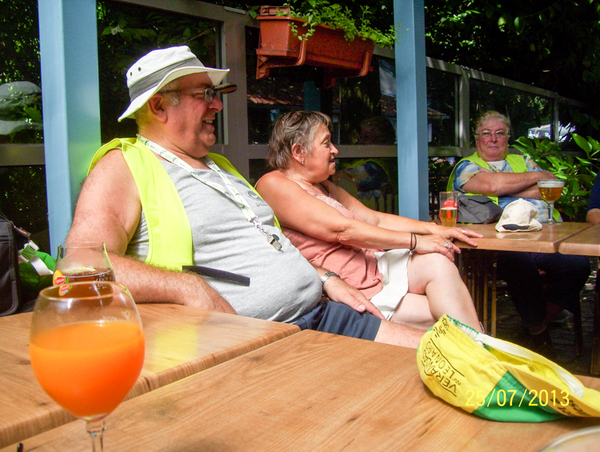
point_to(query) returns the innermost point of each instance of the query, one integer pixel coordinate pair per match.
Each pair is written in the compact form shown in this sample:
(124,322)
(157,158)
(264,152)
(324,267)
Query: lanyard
(229,190)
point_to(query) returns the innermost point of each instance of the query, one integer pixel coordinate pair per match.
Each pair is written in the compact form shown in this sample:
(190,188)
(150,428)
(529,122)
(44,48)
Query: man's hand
(338,290)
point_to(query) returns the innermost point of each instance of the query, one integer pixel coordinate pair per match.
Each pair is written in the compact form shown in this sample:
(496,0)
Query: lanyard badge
(231,192)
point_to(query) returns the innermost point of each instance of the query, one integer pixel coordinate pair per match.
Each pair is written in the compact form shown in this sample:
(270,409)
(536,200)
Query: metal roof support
(411,107)
(71,103)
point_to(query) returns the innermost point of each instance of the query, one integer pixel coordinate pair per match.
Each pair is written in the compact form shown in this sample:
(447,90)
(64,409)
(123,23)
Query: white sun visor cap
(159,67)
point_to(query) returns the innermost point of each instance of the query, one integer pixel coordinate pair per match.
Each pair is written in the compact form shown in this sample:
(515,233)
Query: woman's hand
(458,233)
(434,243)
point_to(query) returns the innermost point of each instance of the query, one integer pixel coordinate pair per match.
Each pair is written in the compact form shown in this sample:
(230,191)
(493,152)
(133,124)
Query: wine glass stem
(550,212)
(96,431)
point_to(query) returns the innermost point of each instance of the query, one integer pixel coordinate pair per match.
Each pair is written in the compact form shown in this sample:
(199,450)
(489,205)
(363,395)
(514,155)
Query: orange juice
(88,368)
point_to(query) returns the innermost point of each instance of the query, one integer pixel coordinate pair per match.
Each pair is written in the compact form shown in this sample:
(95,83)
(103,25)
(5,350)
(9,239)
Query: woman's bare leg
(434,276)
(414,311)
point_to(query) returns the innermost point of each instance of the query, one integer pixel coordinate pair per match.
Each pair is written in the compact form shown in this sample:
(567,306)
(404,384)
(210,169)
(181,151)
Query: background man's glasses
(500,134)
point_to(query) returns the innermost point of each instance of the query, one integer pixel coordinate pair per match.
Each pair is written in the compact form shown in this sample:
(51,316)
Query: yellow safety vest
(169,232)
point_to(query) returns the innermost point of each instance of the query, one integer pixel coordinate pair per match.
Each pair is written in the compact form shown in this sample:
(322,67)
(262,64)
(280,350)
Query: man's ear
(156,106)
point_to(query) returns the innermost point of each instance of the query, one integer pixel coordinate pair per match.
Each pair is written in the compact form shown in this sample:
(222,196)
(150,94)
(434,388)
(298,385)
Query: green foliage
(354,24)
(20,107)
(127,32)
(19,38)
(21,112)
(578,171)
(553,45)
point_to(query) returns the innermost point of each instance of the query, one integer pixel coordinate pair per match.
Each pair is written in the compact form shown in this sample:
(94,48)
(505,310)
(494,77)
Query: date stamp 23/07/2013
(509,397)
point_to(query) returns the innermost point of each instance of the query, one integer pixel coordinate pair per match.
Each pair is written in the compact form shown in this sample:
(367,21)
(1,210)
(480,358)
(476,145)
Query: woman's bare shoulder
(271,180)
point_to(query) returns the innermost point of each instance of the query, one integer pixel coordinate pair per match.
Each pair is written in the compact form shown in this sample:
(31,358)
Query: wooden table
(478,267)
(584,243)
(545,241)
(308,392)
(180,341)
(587,243)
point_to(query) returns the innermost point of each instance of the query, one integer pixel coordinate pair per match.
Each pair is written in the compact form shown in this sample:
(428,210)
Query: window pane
(366,111)
(20,94)
(572,119)
(373,181)
(23,200)
(441,107)
(350,102)
(126,33)
(22,188)
(270,97)
(530,114)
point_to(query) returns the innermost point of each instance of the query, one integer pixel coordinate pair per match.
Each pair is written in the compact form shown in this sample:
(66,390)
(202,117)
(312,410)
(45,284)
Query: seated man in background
(162,203)
(504,177)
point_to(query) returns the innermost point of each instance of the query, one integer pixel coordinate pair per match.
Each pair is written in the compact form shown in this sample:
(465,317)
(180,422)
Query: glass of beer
(82,261)
(448,208)
(550,190)
(87,349)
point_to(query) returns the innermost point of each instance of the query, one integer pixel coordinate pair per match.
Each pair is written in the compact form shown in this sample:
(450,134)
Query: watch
(328,275)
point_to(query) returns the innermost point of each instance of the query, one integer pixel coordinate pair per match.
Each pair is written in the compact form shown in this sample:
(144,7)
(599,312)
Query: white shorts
(393,266)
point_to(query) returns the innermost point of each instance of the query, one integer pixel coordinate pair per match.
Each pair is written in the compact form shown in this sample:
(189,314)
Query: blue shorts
(338,318)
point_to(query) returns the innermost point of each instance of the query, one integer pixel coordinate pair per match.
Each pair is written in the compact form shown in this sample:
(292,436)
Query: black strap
(218,274)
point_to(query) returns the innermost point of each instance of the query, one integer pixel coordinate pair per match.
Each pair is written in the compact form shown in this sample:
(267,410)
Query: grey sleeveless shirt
(283,284)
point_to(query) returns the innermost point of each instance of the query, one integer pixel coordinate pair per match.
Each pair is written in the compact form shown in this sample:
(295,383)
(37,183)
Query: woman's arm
(303,212)
(380,219)
(399,223)
(299,210)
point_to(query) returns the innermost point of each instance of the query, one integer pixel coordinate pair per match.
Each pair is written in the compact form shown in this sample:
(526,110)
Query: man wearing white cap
(169,211)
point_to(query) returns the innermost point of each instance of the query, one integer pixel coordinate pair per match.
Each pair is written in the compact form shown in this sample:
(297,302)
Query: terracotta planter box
(327,48)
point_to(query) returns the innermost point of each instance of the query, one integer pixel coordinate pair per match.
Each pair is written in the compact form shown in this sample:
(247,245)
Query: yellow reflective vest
(170,235)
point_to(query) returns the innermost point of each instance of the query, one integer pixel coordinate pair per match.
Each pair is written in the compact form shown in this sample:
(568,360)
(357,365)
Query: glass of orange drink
(87,349)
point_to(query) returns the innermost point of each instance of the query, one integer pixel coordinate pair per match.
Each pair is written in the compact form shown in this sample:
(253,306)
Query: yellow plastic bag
(498,380)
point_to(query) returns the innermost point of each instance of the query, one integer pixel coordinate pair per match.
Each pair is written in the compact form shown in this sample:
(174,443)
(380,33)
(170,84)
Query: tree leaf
(519,25)
(582,143)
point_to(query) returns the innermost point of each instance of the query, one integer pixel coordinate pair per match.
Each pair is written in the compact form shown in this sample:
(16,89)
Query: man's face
(192,123)
(492,140)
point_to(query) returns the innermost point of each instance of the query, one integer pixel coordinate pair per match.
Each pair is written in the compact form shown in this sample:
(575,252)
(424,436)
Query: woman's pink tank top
(356,266)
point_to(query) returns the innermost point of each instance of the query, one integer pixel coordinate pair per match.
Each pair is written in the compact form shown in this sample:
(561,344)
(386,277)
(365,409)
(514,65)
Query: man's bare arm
(108,210)
(503,184)
(150,284)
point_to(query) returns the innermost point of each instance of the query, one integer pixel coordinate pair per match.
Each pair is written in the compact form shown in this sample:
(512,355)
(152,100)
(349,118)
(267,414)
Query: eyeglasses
(500,134)
(208,94)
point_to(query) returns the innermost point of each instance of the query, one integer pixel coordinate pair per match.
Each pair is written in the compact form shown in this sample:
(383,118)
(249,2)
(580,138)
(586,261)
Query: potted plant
(320,34)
